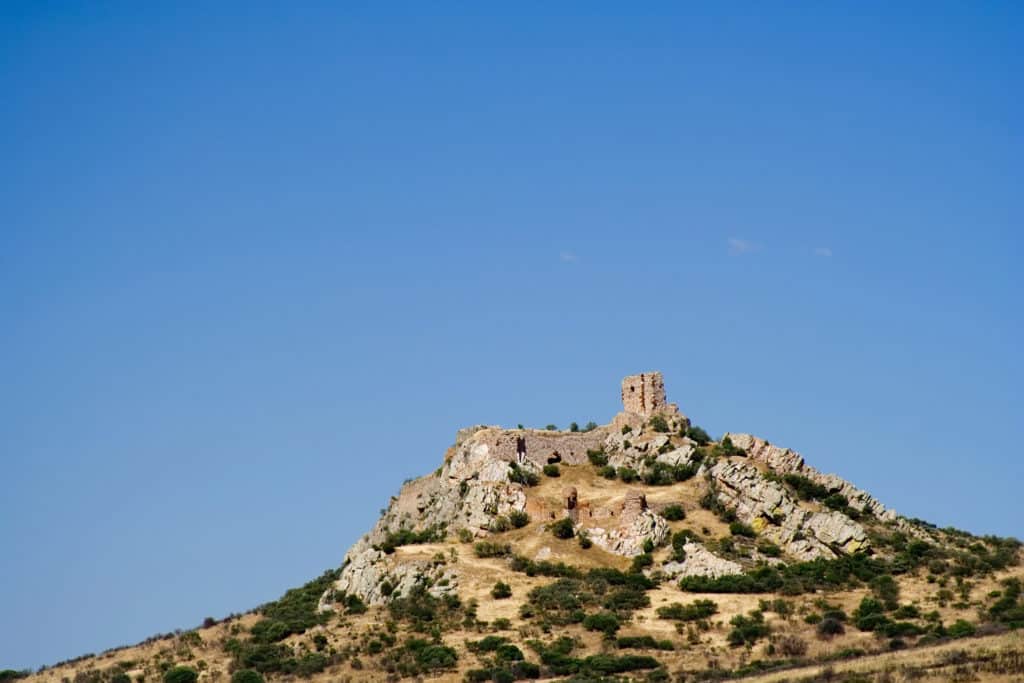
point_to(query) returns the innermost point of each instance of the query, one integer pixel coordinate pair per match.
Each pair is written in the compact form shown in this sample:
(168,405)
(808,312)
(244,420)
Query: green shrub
(552,470)
(886,590)
(769,549)
(563,528)
(627,429)
(551,428)
(501,591)
(518,519)
(181,674)
(674,513)
(626,599)
(508,653)
(836,501)
(499,524)
(829,627)
(606,622)
(961,629)
(805,488)
(311,663)
(597,457)
(590,426)
(573,427)
(697,434)
(404,536)
(489,549)
(748,629)
(696,610)
(627,474)
(520,475)
(643,643)
(608,472)
(641,562)
(658,423)
(741,529)
(584,539)
(726,448)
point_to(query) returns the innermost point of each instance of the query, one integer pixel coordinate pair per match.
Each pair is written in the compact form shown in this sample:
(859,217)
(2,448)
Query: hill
(637,550)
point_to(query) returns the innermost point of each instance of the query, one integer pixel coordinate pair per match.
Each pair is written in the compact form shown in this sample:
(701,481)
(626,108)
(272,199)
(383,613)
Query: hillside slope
(641,550)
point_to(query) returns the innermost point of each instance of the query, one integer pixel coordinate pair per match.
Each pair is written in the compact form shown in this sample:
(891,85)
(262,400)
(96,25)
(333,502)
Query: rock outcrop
(769,509)
(700,562)
(788,461)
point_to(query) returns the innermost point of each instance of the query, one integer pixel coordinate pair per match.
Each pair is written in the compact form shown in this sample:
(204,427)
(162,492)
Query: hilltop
(641,549)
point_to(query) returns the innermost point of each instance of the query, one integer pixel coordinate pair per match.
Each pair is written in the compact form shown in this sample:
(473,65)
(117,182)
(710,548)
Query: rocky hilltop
(641,549)
(487,474)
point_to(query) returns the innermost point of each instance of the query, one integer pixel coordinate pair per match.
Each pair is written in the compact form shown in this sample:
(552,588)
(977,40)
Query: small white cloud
(567,257)
(822,251)
(741,246)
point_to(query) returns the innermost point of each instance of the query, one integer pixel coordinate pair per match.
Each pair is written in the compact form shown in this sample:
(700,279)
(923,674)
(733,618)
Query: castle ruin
(644,394)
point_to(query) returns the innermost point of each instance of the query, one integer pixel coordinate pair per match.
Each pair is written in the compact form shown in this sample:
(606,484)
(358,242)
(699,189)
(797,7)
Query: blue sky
(257,265)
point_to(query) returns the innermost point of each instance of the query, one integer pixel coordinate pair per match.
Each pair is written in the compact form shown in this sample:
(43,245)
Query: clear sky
(257,265)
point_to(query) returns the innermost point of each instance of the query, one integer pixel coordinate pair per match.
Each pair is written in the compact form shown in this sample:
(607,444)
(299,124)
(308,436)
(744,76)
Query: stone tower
(644,394)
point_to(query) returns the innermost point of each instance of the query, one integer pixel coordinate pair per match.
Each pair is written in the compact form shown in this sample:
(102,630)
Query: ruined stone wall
(568,447)
(644,394)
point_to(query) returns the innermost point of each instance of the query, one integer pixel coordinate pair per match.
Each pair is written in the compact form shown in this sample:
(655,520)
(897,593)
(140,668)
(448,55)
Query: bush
(519,475)
(697,434)
(887,590)
(552,470)
(836,501)
(501,591)
(674,513)
(641,562)
(499,524)
(608,472)
(643,643)
(405,536)
(584,539)
(597,457)
(627,474)
(488,549)
(563,528)
(658,423)
(518,519)
(748,629)
(805,488)
(696,610)
(606,622)
(769,549)
(829,628)
(961,629)
(741,529)
(181,674)
(626,599)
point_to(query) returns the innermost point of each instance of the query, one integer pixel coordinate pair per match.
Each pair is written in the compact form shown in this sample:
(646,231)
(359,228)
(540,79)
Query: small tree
(552,470)
(501,591)
(573,427)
